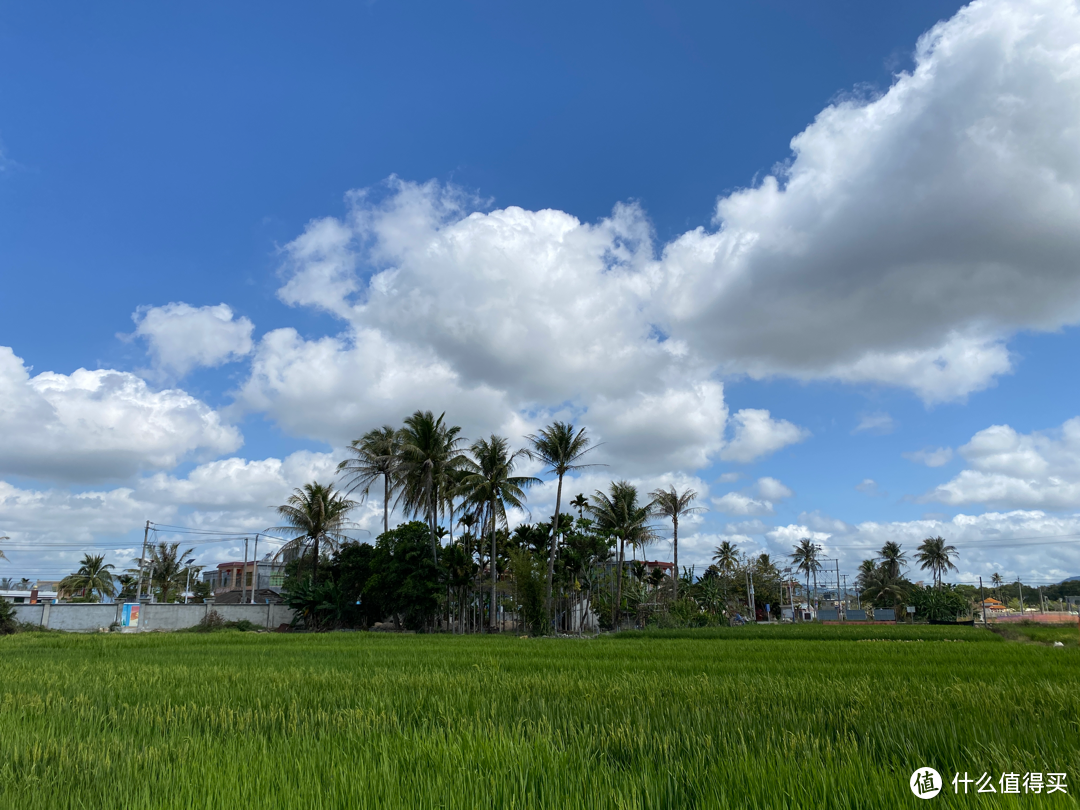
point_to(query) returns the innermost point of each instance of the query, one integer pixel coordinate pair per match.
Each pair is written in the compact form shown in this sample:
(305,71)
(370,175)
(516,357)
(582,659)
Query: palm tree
(806,560)
(429,452)
(936,557)
(560,448)
(621,516)
(997,581)
(726,557)
(581,503)
(167,565)
(866,571)
(7,584)
(489,482)
(670,503)
(881,586)
(376,454)
(2,557)
(92,579)
(314,513)
(893,558)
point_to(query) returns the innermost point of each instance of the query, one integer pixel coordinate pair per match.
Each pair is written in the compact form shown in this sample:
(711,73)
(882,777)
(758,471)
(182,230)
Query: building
(33,596)
(238,575)
(991,604)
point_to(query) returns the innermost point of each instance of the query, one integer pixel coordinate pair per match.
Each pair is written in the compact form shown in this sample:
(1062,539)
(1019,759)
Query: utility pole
(243,573)
(1042,606)
(142,557)
(845,591)
(1021,586)
(982,596)
(187,588)
(255,569)
(753,604)
(837,561)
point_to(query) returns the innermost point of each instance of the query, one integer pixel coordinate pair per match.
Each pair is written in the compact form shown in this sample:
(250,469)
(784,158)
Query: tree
(93,580)
(806,560)
(560,448)
(375,455)
(581,503)
(866,571)
(883,588)
(997,581)
(935,556)
(893,558)
(671,504)
(489,482)
(167,567)
(726,557)
(405,579)
(620,514)
(314,513)
(429,453)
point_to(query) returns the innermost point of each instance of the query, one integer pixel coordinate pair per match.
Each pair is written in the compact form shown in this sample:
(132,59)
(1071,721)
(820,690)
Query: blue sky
(261,231)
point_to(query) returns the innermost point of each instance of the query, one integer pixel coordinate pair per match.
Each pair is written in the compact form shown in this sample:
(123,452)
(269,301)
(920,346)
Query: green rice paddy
(776,717)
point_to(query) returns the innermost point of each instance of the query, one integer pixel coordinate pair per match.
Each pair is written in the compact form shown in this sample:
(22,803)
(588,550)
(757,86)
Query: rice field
(777,717)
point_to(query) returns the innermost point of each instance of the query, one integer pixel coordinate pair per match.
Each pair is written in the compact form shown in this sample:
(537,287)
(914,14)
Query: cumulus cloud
(1011,469)
(868,486)
(757,434)
(910,233)
(96,425)
(931,457)
(760,499)
(181,337)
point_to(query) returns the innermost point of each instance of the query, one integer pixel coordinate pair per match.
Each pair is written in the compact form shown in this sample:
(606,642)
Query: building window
(277,580)
(249,579)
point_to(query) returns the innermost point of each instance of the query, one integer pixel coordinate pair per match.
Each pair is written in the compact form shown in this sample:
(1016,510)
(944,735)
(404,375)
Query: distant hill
(1071,579)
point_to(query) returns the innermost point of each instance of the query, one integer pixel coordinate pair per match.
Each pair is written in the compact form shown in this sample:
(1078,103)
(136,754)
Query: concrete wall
(80,618)
(30,614)
(88,618)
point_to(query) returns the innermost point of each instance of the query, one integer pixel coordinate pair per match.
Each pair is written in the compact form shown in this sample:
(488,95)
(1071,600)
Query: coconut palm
(314,514)
(670,503)
(621,516)
(489,482)
(893,558)
(997,581)
(882,587)
(581,503)
(93,579)
(806,560)
(866,571)
(726,557)
(7,584)
(560,447)
(935,556)
(375,455)
(430,451)
(167,567)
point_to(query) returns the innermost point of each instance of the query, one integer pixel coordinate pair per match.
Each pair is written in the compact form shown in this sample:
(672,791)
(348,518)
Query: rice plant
(750,717)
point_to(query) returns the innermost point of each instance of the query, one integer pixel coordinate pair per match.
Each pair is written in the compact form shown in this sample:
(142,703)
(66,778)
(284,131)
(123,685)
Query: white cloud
(760,499)
(95,425)
(757,434)
(878,424)
(729,477)
(1011,469)
(738,503)
(182,337)
(913,232)
(931,457)
(772,489)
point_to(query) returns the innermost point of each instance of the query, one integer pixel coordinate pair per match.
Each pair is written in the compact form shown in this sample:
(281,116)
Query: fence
(88,618)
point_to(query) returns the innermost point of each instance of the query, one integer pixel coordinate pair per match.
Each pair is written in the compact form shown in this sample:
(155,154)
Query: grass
(1067,634)
(778,717)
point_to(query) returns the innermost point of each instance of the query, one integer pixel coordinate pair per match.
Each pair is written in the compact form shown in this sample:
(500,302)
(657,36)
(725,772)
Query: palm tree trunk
(492,617)
(551,550)
(386,503)
(675,545)
(314,565)
(431,521)
(618,588)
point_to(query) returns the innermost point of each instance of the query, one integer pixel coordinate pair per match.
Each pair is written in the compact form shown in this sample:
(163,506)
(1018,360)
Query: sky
(816,261)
